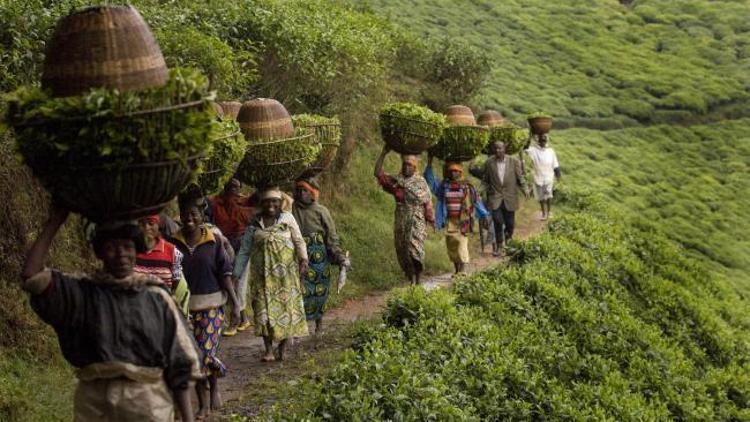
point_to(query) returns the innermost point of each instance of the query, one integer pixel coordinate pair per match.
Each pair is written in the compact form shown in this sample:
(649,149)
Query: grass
(32,391)
(598,63)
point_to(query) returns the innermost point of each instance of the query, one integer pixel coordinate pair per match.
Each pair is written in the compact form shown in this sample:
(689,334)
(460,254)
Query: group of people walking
(459,204)
(151,322)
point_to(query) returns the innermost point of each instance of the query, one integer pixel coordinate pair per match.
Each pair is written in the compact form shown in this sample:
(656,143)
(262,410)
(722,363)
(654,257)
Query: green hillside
(597,62)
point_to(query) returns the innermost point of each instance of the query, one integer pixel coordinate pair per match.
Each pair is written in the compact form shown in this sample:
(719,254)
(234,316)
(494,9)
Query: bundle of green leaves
(514,137)
(538,114)
(104,127)
(409,128)
(277,161)
(327,130)
(225,155)
(461,143)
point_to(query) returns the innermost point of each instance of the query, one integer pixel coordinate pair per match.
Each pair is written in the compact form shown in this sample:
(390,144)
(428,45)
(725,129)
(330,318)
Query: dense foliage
(598,62)
(596,319)
(461,143)
(107,127)
(227,150)
(410,128)
(692,181)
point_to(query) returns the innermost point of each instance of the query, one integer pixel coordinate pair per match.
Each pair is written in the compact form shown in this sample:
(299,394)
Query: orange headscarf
(310,188)
(454,167)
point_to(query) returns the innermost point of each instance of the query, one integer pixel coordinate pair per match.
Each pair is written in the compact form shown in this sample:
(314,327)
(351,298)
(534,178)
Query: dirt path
(242,352)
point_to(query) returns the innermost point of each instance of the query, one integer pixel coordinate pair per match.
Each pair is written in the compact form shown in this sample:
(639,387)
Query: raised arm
(38,252)
(380,161)
(429,177)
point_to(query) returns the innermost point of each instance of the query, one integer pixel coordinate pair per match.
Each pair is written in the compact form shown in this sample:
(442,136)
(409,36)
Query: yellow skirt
(457,244)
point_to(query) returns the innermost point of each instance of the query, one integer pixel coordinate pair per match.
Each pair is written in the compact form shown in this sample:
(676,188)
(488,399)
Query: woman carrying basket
(413,212)
(277,254)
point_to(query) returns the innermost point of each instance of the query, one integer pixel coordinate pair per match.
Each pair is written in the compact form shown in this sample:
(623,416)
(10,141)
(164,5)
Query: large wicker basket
(329,137)
(103,47)
(102,193)
(461,143)
(540,125)
(214,174)
(110,190)
(408,141)
(265,119)
(278,161)
(460,115)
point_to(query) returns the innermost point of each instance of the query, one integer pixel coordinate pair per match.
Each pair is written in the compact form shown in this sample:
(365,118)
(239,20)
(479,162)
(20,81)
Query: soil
(242,352)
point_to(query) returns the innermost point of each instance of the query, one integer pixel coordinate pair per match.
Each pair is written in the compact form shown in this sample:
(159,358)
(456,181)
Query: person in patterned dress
(273,245)
(323,247)
(457,202)
(413,212)
(208,271)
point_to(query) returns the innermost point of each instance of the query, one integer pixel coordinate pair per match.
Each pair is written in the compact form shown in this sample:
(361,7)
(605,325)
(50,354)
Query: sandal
(230,332)
(244,326)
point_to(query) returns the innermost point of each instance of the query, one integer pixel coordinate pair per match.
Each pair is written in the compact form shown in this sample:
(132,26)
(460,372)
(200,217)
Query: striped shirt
(164,261)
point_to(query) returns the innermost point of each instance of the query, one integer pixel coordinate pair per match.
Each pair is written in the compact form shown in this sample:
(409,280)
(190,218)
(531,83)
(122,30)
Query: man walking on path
(546,170)
(503,179)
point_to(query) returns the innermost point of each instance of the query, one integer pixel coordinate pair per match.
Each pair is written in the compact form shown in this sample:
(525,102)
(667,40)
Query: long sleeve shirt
(470,201)
(246,244)
(316,218)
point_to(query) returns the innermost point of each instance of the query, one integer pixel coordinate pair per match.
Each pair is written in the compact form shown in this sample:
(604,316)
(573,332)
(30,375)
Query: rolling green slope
(596,62)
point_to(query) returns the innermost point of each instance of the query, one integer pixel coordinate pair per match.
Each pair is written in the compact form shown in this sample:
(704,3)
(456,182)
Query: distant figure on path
(546,170)
(276,252)
(457,202)
(142,372)
(323,247)
(503,179)
(413,212)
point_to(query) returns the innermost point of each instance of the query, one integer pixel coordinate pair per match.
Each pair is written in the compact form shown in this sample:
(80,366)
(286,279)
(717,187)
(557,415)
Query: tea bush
(598,318)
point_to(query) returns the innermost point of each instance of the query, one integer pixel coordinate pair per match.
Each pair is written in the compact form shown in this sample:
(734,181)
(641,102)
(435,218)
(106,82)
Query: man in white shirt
(546,170)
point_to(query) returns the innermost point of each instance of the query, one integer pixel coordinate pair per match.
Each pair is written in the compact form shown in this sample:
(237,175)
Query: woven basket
(265,119)
(412,141)
(540,125)
(329,137)
(490,118)
(103,47)
(455,147)
(460,115)
(231,108)
(101,193)
(274,162)
(215,174)
(138,124)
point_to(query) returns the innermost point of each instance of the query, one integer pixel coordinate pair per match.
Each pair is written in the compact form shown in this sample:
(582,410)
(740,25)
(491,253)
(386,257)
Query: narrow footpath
(242,352)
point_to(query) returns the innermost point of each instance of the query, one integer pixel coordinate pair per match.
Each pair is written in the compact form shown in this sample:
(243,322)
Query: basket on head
(540,125)
(265,119)
(103,47)
(131,192)
(327,131)
(490,118)
(221,164)
(231,108)
(278,161)
(460,115)
(461,143)
(218,110)
(408,136)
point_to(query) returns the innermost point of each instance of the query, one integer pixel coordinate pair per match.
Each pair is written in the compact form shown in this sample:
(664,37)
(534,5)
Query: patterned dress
(413,212)
(323,249)
(275,291)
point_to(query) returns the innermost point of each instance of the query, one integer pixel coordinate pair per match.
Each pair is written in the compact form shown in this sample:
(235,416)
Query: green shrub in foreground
(597,319)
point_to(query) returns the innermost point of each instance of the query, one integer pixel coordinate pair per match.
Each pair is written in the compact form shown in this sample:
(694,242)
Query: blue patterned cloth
(318,277)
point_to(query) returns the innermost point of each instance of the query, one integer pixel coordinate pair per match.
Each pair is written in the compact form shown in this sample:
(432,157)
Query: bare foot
(268,357)
(202,414)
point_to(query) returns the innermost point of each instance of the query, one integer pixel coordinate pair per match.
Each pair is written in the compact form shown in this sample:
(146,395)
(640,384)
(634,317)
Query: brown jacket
(513,184)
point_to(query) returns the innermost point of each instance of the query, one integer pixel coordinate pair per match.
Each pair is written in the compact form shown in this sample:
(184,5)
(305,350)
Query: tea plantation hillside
(691,182)
(599,63)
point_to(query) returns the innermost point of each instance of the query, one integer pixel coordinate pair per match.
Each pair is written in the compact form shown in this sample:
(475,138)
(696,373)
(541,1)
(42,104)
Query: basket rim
(157,110)
(277,163)
(395,116)
(319,124)
(231,135)
(480,127)
(161,163)
(280,140)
